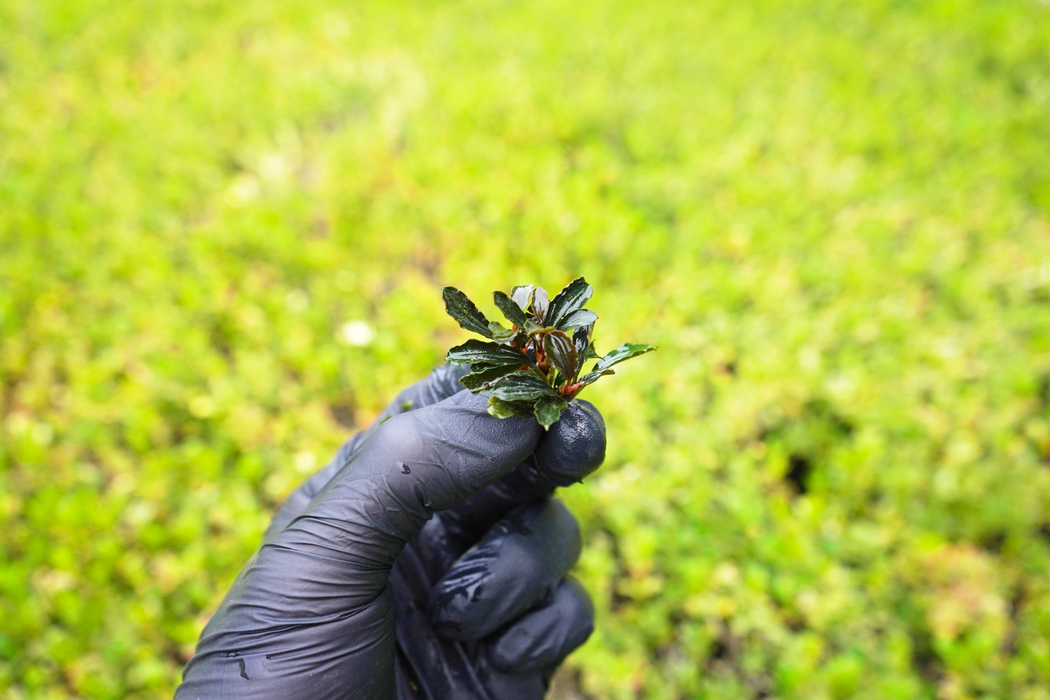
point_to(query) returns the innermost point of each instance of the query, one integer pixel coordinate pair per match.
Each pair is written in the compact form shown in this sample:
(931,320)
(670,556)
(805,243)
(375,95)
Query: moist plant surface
(535,367)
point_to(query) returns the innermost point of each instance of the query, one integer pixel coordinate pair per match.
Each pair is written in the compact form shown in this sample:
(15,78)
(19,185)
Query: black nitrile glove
(358,593)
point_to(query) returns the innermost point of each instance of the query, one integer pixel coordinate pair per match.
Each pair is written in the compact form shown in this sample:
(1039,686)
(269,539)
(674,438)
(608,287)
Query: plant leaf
(510,309)
(482,376)
(562,354)
(577,319)
(572,297)
(520,386)
(624,352)
(508,409)
(548,410)
(522,295)
(501,334)
(460,307)
(505,369)
(592,377)
(475,352)
(540,302)
(581,339)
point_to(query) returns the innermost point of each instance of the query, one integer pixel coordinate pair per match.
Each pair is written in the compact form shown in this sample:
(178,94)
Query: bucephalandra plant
(535,367)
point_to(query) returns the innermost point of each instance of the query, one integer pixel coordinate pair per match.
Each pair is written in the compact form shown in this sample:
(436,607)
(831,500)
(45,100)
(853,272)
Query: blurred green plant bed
(222,225)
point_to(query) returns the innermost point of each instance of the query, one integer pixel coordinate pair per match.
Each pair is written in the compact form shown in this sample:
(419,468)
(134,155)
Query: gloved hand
(358,593)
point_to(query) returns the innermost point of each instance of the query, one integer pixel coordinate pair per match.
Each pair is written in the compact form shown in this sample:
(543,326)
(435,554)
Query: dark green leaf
(582,340)
(508,409)
(479,352)
(522,295)
(510,309)
(540,302)
(592,377)
(561,353)
(577,319)
(460,307)
(477,380)
(520,386)
(572,297)
(560,332)
(548,410)
(624,352)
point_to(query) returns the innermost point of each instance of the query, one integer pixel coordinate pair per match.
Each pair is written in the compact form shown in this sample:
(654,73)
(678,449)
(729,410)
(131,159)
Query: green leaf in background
(572,297)
(508,409)
(522,295)
(510,309)
(207,298)
(475,352)
(562,354)
(548,409)
(520,386)
(460,307)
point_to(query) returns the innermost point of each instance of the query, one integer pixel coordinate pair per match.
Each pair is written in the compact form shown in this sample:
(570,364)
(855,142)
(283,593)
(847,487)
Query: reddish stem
(570,390)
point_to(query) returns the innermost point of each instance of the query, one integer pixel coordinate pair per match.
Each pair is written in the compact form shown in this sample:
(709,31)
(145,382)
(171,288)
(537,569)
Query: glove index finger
(437,386)
(413,464)
(441,383)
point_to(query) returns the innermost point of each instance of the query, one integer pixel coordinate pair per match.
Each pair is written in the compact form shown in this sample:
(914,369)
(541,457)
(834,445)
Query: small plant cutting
(535,367)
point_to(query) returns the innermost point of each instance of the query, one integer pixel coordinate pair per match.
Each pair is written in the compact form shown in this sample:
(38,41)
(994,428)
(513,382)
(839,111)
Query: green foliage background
(833,217)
